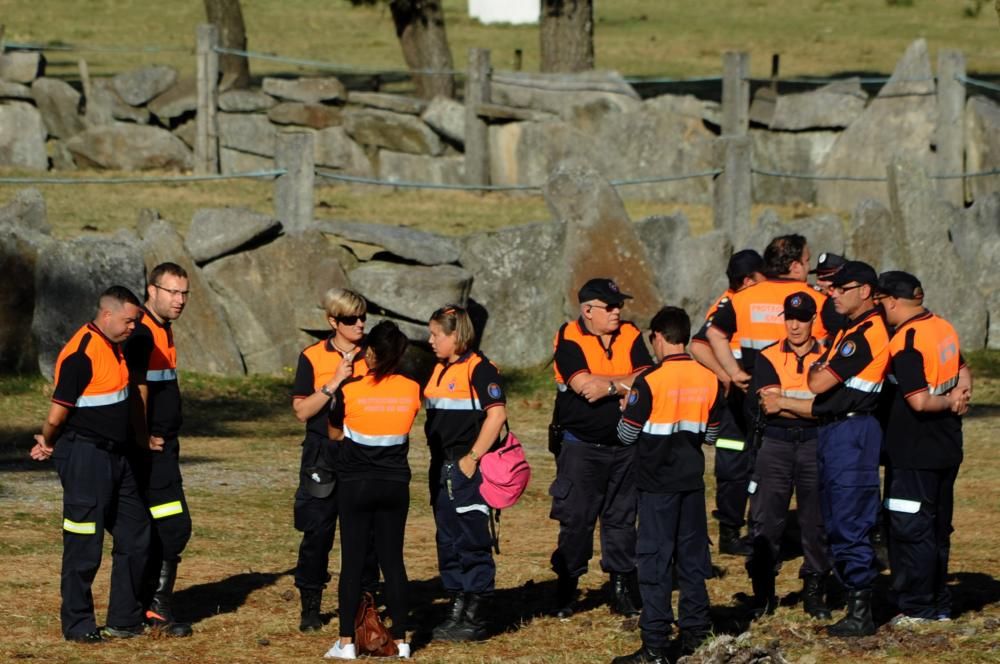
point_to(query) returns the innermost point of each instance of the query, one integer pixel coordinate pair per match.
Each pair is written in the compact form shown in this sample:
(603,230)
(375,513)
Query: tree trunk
(422,37)
(228,16)
(567,32)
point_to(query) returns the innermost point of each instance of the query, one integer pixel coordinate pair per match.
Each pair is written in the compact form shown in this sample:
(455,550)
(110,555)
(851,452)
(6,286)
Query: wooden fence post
(732,196)
(477,137)
(950,129)
(293,191)
(206,139)
(735,93)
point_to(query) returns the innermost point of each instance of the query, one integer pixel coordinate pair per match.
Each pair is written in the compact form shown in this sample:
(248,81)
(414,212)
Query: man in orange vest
(932,387)
(671,411)
(152,362)
(786,463)
(596,358)
(847,383)
(86,435)
(753,317)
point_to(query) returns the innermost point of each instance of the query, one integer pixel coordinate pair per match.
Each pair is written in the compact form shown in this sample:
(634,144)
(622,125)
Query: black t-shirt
(454,414)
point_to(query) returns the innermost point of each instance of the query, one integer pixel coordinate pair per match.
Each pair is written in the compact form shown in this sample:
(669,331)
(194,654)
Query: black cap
(744,263)
(828,264)
(896,283)
(858,271)
(800,306)
(605,290)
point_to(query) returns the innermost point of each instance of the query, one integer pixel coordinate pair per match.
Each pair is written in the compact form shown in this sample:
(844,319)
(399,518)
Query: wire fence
(160,179)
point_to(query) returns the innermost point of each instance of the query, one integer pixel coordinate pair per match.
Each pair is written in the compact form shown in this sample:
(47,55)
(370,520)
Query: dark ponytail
(388,345)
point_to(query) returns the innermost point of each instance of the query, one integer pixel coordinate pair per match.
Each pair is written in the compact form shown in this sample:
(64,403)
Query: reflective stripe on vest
(166,509)
(730,444)
(444,403)
(665,429)
(374,441)
(902,505)
(473,508)
(944,387)
(93,400)
(862,385)
(78,528)
(157,376)
(798,394)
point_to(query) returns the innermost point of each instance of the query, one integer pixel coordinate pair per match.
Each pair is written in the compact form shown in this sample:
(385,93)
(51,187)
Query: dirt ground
(240,458)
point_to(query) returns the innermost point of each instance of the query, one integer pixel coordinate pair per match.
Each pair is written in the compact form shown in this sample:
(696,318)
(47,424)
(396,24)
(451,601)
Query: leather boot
(456,609)
(473,624)
(312,600)
(858,621)
(160,615)
(813,597)
(644,655)
(622,601)
(762,580)
(565,596)
(731,543)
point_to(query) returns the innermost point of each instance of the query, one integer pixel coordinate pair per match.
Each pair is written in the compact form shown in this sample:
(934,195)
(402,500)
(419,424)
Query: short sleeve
(723,318)
(569,359)
(488,385)
(908,367)
(138,349)
(850,356)
(337,411)
(764,374)
(305,378)
(639,355)
(638,403)
(74,376)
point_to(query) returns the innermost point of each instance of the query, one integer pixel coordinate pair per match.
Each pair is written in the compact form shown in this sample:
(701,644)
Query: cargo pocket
(560,490)
(651,565)
(80,514)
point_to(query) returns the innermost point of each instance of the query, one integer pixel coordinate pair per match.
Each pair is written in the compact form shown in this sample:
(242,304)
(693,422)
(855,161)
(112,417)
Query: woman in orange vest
(372,416)
(466,409)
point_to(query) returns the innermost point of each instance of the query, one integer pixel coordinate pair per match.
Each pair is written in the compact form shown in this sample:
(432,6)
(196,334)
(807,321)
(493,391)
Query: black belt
(839,417)
(792,434)
(99,443)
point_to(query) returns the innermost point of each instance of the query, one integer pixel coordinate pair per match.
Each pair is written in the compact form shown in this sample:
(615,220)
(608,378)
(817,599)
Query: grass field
(240,463)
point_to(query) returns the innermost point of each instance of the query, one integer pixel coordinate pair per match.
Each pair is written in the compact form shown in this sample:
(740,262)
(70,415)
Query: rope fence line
(84,48)
(866,178)
(986,85)
(332,66)
(166,179)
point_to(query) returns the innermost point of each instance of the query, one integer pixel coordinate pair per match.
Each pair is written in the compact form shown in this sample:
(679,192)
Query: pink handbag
(505,472)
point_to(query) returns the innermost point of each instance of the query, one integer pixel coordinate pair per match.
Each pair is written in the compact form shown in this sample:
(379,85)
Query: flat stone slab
(389,102)
(21,66)
(215,232)
(316,116)
(393,131)
(420,246)
(411,291)
(446,117)
(130,147)
(11,90)
(138,86)
(245,101)
(180,99)
(307,90)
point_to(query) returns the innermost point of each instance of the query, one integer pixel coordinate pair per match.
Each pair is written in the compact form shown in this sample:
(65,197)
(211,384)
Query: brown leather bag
(370,635)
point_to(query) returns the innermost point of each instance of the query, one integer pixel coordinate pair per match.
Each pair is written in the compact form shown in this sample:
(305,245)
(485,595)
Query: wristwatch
(475,457)
(325,391)
(612,391)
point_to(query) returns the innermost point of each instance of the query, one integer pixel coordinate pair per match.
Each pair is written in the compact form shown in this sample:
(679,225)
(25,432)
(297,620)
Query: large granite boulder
(233,161)
(333,148)
(982,144)
(205,341)
(406,243)
(787,152)
(601,240)
(930,254)
(21,66)
(706,110)
(139,86)
(130,147)
(316,116)
(874,238)
(181,98)
(247,132)
(26,210)
(267,291)
(562,93)
(515,277)
(411,291)
(22,136)
(307,90)
(993,307)
(832,106)
(215,232)
(390,102)
(59,104)
(393,131)
(245,101)
(70,278)
(898,123)
(402,167)
(447,117)
(16,91)
(105,105)
(976,236)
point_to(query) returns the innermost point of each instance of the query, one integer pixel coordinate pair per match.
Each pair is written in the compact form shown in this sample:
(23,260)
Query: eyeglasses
(351,320)
(843,289)
(173,291)
(609,307)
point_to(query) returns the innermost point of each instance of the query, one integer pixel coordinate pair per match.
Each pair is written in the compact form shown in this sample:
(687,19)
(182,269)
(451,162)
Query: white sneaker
(404,650)
(338,651)
(903,620)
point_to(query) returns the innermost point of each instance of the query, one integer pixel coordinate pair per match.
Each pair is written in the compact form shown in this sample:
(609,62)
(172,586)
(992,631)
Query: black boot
(312,600)
(813,597)
(456,609)
(762,580)
(565,596)
(472,626)
(622,601)
(731,543)
(644,655)
(858,621)
(160,615)
(690,640)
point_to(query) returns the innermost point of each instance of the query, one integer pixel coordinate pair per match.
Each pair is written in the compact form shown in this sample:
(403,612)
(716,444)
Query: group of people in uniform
(801,389)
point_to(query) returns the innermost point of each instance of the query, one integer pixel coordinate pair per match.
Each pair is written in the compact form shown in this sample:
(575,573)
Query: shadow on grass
(205,600)
(973,591)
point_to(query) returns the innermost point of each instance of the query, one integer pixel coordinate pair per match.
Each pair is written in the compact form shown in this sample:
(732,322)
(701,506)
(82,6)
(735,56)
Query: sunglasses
(351,320)
(609,307)
(843,289)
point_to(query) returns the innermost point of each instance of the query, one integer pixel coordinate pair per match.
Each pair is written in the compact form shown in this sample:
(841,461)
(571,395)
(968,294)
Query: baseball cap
(743,264)
(603,289)
(896,283)
(858,271)
(827,264)
(800,306)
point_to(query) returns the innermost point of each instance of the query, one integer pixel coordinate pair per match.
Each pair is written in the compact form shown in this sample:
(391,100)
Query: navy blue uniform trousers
(920,505)
(99,493)
(672,531)
(848,456)
(464,543)
(594,481)
(734,463)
